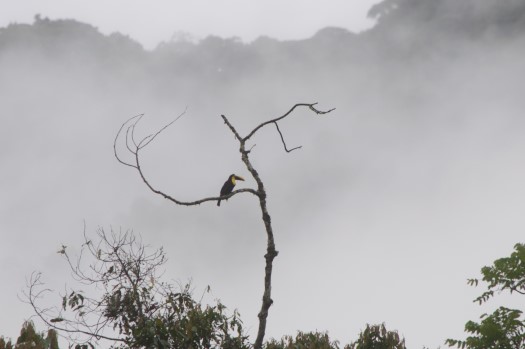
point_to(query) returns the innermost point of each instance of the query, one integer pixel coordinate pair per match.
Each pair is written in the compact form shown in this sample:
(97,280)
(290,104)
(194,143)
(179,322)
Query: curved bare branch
(151,137)
(133,130)
(117,137)
(138,145)
(309,105)
(190,203)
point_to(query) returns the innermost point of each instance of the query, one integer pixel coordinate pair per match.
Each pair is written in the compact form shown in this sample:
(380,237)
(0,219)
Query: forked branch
(309,105)
(271,252)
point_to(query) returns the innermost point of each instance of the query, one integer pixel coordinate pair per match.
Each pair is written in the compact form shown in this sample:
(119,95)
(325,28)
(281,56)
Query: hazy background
(412,185)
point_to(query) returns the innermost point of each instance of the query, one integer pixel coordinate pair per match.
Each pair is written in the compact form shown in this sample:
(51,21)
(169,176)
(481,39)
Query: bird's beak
(239,178)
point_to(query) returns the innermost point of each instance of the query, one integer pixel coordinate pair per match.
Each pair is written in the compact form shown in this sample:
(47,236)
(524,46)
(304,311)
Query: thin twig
(116,138)
(282,139)
(152,136)
(133,130)
(127,141)
(320,112)
(230,126)
(249,150)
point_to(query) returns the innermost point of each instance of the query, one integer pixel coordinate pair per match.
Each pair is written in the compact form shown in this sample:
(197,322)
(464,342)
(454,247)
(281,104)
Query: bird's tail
(219,203)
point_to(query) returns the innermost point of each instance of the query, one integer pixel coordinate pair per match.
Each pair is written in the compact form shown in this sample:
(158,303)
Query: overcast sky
(150,22)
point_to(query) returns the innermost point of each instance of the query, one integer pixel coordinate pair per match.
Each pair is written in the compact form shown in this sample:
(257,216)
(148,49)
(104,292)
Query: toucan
(228,186)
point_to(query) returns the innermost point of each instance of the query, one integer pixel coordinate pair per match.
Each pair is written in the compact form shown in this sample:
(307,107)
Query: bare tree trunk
(271,253)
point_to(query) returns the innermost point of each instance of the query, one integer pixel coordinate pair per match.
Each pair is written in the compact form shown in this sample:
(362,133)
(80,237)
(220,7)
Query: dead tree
(134,146)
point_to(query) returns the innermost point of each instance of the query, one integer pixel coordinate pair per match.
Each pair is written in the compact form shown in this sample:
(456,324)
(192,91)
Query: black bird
(228,186)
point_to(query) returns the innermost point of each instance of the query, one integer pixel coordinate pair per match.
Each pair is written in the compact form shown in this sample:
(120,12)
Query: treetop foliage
(377,337)
(30,339)
(504,328)
(303,340)
(372,337)
(121,298)
(506,274)
(136,309)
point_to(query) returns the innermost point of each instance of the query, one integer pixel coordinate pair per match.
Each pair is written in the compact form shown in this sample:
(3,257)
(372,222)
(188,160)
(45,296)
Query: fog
(406,190)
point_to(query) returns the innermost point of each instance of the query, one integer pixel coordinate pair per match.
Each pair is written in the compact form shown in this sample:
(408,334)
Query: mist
(406,190)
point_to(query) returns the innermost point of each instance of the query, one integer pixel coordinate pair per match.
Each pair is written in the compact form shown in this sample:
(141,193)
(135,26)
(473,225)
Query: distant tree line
(405,28)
